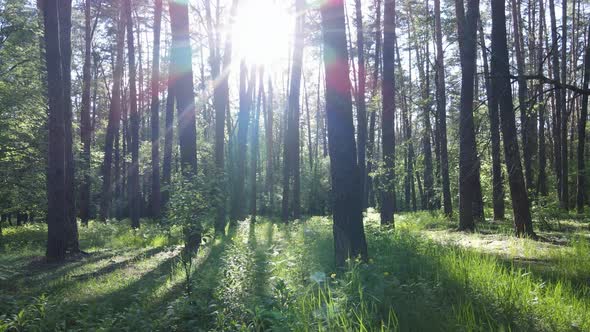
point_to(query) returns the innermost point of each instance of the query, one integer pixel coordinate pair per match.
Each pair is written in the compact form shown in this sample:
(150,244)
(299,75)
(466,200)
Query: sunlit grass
(421,276)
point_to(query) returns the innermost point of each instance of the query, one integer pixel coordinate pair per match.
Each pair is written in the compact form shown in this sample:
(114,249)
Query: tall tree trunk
(441,107)
(427,194)
(361,106)
(237,212)
(65,33)
(468,160)
(501,89)
(293,111)
(220,104)
(369,192)
(133,187)
(168,141)
(564,203)
(542,178)
(155,119)
(254,147)
(269,147)
(85,125)
(497,179)
(582,130)
(57,214)
(182,72)
(114,119)
(526,122)
(558,109)
(349,235)
(388,114)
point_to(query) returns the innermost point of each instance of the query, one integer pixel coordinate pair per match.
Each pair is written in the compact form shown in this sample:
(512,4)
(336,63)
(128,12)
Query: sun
(262,32)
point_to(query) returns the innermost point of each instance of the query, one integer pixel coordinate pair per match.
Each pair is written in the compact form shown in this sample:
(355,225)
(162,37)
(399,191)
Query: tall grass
(265,276)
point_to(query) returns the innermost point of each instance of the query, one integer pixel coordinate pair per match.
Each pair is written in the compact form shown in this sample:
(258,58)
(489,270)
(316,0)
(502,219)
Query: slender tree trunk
(361,106)
(497,179)
(349,236)
(468,160)
(388,114)
(441,105)
(526,122)
(558,109)
(501,89)
(85,125)
(114,119)
(542,178)
(254,147)
(269,148)
(155,119)
(65,32)
(292,132)
(168,141)
(564,203)
(57,214)
(181,70)
(133,187)
(369,192)
(582,131)
(242,137)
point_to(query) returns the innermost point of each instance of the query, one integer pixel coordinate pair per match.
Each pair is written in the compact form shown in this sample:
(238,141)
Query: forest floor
(422,276)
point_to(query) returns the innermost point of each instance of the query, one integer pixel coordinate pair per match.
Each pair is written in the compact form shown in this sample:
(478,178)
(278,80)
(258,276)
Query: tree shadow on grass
(117,265)
(205,277)
(431,289)
(261,274)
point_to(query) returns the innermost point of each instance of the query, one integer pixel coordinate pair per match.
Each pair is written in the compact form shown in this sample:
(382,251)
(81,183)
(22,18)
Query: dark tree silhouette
(388,113)
(349,235)
(502,90)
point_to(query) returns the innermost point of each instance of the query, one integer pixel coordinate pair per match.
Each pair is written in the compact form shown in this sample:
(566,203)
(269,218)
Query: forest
(294,165)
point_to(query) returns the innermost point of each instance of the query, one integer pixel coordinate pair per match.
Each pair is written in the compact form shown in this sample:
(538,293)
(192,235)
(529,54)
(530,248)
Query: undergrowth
(267,276)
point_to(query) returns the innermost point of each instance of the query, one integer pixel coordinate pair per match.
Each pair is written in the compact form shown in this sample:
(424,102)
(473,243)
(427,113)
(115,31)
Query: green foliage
(267,277)
(22,111)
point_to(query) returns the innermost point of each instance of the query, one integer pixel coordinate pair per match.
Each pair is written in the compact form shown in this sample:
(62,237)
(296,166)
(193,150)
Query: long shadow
(204,276)
(115,266)
(426,296)
(37,273)
(261,273)
(547,270)
(120,299)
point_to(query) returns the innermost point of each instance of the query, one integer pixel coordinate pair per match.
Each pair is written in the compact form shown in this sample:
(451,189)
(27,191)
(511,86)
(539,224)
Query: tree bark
(559,108)
(497,179)
(168,142)
(441,105)
(468,160)
(182,72)
(254,147)
(582,131)
(133,175)
(361,105)
(114,119)
(542,178)
(564,203)
(526,122)
(369,191)
(501,89)
(155,116)
(237,212)
(388,115)
(85,125)
(349,236)
(65,33)
(293,112)
(57,214)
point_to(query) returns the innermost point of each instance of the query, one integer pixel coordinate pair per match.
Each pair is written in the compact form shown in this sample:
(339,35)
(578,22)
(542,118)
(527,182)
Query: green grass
(422,276)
